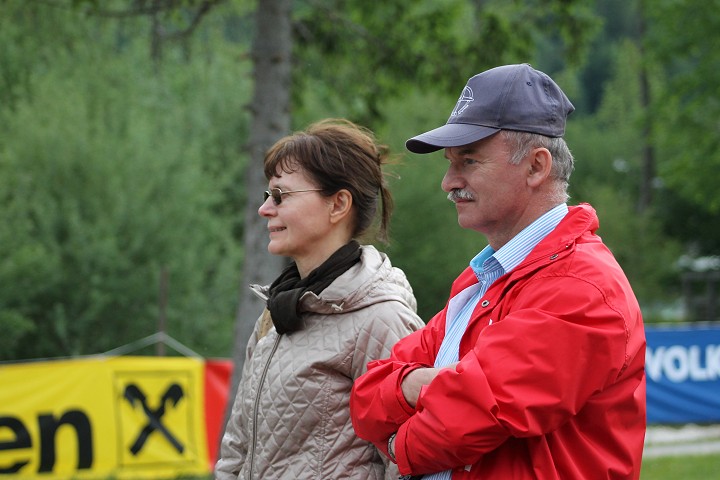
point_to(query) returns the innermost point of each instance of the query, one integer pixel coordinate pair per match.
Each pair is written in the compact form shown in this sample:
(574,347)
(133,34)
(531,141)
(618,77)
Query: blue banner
(683,374)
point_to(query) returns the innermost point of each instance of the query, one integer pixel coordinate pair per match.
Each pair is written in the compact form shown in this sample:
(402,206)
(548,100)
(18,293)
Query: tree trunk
(270,120)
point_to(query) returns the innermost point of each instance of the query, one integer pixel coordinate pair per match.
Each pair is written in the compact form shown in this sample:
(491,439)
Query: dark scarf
(286,290)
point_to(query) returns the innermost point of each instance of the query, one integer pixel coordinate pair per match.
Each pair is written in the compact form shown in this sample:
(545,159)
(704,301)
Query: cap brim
(449,135)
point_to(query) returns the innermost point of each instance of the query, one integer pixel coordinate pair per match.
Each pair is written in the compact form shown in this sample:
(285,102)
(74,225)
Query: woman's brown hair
(338,154)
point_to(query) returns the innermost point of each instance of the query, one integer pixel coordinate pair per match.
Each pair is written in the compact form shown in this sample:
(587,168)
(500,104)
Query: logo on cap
(463,102)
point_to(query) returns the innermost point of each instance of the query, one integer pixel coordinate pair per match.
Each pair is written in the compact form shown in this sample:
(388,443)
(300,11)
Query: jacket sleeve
(526,375)
(377,405)
(388,322)
(233,447)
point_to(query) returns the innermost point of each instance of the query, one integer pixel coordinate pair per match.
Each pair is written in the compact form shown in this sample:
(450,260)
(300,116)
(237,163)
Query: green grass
(695,467)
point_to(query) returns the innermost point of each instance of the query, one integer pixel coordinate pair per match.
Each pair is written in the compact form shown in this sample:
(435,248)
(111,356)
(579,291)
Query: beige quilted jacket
(291,417)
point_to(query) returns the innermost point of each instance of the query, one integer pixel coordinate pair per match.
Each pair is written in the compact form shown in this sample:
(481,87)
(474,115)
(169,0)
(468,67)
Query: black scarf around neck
(286,290)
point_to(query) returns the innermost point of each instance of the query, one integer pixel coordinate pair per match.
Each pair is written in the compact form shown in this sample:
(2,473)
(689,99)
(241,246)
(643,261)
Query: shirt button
(485,303)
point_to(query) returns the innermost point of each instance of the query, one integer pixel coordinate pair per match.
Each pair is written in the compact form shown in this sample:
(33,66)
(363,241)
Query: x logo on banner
(133,394)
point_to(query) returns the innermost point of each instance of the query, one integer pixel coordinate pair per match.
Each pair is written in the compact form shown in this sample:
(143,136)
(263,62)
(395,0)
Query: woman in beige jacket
(336,307)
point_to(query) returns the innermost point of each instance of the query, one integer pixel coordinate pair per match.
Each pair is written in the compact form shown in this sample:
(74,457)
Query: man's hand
(416,379)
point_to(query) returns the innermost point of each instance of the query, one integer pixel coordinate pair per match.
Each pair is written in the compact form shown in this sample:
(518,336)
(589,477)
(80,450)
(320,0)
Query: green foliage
(607,148)
(608,145)
(366,53)
(683,40)
(110,175)
(115,168)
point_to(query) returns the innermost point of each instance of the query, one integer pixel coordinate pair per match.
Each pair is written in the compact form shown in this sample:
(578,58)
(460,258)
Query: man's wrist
(391,447)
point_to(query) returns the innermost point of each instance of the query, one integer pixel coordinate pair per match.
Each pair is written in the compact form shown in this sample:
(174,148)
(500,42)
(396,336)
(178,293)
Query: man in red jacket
(535,367)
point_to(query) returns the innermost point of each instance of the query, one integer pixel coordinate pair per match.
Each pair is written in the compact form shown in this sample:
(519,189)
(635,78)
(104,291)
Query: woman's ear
(341,205)
(540,166)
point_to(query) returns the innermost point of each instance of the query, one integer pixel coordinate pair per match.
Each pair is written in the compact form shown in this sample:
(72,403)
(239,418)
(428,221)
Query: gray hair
(521,143)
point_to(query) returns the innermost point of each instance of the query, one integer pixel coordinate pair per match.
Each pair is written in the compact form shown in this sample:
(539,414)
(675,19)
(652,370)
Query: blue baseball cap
(510,97)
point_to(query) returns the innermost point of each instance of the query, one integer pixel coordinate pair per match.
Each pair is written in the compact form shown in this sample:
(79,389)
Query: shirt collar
(514,252)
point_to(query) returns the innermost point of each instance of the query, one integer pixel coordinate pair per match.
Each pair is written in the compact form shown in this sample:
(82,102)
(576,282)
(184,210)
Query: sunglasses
(277,194)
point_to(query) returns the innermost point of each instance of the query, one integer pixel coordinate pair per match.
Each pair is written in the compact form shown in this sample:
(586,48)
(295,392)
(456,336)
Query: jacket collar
(580,220)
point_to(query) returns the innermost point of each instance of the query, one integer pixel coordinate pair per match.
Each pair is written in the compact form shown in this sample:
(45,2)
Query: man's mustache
(459,194)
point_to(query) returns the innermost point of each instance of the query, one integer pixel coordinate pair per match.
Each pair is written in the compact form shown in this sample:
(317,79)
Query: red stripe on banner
(217,384)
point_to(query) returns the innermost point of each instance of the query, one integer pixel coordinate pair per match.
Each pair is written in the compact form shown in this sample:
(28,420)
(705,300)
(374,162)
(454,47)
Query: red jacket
(551,379)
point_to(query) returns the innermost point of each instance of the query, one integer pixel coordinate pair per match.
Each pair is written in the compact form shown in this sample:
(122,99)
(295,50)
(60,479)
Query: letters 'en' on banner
(120,417)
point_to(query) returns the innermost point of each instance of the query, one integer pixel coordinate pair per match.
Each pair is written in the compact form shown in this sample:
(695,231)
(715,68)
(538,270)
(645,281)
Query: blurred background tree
(114,175)
(124,155)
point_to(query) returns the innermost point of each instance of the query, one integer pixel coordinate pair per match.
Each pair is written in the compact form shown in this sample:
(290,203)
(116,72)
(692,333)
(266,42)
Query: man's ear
(341,205)
(540,160)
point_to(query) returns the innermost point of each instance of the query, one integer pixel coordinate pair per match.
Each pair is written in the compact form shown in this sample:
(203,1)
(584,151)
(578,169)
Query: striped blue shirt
(488,266)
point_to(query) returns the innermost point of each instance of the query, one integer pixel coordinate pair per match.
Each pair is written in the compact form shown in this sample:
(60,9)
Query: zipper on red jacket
(256,406)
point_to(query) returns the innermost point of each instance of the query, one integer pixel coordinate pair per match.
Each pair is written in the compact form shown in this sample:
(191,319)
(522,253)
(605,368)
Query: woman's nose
(267,209)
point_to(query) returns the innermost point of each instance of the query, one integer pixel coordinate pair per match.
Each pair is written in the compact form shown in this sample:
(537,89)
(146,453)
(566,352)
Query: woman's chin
(275,249)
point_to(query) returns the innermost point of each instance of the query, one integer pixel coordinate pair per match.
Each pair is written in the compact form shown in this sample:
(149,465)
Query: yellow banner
(120,417)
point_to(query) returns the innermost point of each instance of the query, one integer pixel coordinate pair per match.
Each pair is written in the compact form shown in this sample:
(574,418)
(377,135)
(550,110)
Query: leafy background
(122,159)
